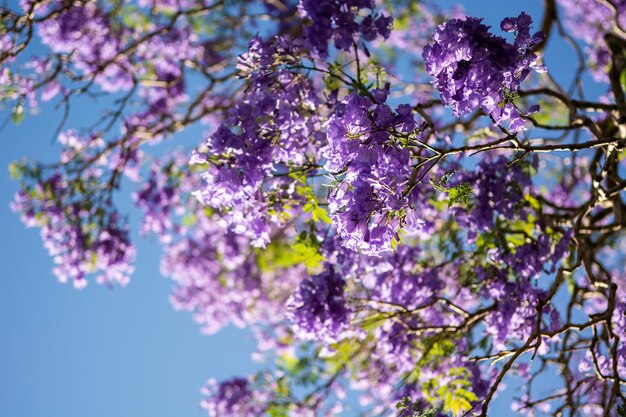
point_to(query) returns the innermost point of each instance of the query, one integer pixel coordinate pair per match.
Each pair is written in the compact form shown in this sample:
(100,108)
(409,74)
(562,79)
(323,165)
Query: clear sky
(121,352)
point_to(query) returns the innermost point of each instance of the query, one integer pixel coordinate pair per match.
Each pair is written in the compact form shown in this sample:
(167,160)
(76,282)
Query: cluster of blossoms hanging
(369,238)
(471,67)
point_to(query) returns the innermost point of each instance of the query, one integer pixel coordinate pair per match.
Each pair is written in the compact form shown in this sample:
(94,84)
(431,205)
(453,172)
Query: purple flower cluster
(160,199)
(395,285)
(218,278)
(85,31)
(78,246)
(517,300)
(499,190)
(472,68)
(369,205)
(406,284)
(516,308)
(318,308)
(274,123)
(342,22)
(530,259)
(165,53)
(231,398)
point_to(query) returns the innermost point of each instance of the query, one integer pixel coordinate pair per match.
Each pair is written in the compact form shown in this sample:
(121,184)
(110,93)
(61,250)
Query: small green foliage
(458,194)
(278,410)
(435,349)
(331,80)
(455,395)
(509,97)
(17,114)
(484,242)
(407,408)
(318,214)
(402,23)
(621,410)
(302,369)
(275,256)
(534,203)
(343,352)
(282,387)
(289,363)
(93,261)
(16,170)
(348,354)
(374,321)
(307,251)
(281,214)
(375,73)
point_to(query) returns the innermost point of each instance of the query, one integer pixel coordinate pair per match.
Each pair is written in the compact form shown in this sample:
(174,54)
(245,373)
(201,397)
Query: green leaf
(455,396)
(515,239)
(460,194)
(457,194)
(332,83)
(92,262)
(317,213)
(374,321)
(483,133)
(276,255)
(571,284)
(16,170)
(311,206)
(402,23)
(534,203)
(307,250)
(278,410)
(17,115)
(289,363)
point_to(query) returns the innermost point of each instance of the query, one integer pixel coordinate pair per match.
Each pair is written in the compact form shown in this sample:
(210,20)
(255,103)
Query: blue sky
(121,352)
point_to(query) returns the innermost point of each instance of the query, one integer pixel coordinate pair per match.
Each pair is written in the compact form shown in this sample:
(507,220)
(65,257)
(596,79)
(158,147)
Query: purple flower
(273,124)
(369,205)
(231,398)
(318,307)
(339,21)
(82,238)
(471,68)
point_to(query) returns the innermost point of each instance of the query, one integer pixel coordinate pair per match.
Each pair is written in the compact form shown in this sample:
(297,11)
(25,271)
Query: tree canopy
(400,202)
